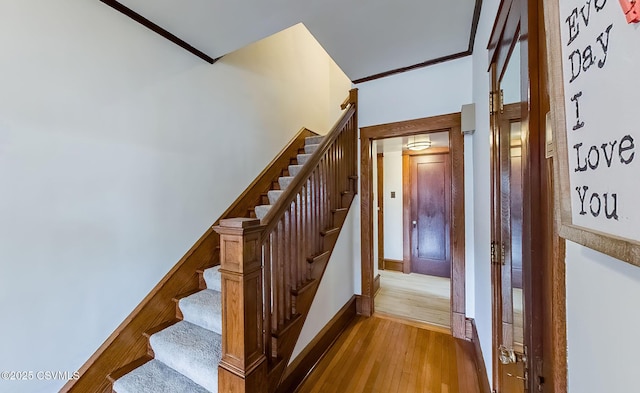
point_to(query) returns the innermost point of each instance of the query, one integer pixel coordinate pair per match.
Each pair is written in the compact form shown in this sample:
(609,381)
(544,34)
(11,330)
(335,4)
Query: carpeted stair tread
(285,181)
(190,350)
(294,169)
(274,195)
(310,149)
(261,211)
(313,140)
(204,309)
(303,158)
(212,278)
(156,377)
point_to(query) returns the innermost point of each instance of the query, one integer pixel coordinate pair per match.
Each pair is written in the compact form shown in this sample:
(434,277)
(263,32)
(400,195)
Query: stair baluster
(300,217)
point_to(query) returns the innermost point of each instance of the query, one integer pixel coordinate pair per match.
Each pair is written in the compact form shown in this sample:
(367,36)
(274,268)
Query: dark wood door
(431,214)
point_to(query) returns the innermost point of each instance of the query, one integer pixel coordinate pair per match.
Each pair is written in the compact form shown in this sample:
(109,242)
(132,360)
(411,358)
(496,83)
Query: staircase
(228,315)
(311,145)
(186,354)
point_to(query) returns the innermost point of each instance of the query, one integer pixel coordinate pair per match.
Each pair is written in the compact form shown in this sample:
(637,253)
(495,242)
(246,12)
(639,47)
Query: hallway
(384,354)
(415,296)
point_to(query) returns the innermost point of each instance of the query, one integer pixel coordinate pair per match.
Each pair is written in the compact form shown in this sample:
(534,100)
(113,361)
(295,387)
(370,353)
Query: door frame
(406,203)
(451,123)
(380,182)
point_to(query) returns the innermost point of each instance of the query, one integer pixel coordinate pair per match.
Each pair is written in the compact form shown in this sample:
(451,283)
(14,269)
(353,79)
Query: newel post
(243,368)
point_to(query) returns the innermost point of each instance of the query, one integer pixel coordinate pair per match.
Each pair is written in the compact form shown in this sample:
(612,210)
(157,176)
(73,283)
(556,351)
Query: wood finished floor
(389,355)
(518,322)
(415,296)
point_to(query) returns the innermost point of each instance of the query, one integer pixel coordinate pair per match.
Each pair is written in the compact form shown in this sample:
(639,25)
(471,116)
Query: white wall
(481,183)
(117,150)
(602,318)
(393,231)
(424,92)
(336,287)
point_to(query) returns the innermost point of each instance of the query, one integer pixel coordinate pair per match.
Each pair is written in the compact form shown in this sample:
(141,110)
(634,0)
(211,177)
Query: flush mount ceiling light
(419,145)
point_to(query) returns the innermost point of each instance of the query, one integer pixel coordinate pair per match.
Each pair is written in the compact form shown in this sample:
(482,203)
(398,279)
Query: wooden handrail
(239,205)
(270,220)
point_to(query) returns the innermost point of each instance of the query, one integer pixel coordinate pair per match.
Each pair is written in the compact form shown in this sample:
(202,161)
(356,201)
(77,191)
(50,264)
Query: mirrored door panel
(508,224)
(510,191)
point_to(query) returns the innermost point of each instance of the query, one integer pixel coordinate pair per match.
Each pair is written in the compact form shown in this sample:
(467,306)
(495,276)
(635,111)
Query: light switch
(393,194)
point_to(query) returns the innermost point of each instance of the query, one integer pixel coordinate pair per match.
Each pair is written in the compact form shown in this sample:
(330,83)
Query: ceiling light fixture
(419,145)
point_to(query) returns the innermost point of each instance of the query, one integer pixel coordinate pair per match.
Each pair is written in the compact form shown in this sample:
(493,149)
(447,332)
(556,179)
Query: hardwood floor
(389,355)
(415,296)
(518,322)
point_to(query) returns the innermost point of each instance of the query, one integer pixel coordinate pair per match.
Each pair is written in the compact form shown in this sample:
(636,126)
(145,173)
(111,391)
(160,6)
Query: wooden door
(430,180)
(533,358)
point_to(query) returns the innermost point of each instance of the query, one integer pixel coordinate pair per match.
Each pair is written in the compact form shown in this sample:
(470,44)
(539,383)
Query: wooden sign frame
(622,248)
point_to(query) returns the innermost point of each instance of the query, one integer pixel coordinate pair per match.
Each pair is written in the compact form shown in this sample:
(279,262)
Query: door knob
(414,223)
(506,355)
(517,377)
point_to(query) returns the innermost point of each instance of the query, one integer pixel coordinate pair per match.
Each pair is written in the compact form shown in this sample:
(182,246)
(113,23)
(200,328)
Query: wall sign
(594,68)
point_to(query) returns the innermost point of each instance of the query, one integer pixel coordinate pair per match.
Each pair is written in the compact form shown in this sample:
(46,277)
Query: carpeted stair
(311,145)
(186,354)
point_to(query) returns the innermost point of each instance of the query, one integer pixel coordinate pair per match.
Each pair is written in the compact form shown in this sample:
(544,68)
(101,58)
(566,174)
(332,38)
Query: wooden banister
(285,200)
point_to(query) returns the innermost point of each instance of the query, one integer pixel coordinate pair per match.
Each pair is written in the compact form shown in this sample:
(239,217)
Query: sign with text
(602,103)
(596,78)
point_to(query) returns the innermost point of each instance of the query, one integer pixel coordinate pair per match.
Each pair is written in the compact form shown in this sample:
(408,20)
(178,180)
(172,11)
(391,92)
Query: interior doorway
(414,177)
(414,130)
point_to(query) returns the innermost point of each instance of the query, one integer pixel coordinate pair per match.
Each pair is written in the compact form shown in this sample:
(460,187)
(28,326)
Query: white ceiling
(364,37)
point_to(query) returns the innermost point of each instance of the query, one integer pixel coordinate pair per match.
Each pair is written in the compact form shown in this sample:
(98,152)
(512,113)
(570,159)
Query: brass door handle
(517,377)
(506,355)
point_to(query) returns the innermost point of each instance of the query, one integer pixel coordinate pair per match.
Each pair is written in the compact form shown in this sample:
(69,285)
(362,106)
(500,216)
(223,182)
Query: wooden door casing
(430,206)
(380,179)
(368,135)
